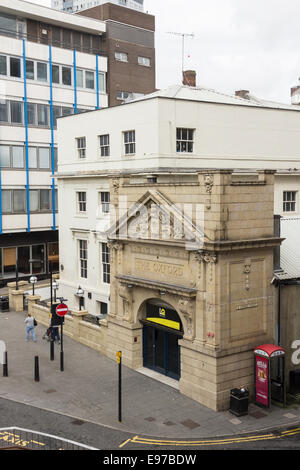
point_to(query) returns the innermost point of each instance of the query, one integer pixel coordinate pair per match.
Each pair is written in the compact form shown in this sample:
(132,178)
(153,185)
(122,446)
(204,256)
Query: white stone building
(50,65)
(175,131)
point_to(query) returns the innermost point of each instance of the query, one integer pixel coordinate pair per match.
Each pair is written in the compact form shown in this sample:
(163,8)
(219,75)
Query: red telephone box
(269,373)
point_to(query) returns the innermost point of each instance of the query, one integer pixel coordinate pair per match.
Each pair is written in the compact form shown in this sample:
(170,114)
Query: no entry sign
(62,310)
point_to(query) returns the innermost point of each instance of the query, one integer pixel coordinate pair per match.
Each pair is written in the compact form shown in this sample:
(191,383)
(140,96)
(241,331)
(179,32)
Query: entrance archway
(162,329)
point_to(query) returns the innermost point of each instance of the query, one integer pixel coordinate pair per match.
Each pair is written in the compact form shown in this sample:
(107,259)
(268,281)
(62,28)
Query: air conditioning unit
(44,32)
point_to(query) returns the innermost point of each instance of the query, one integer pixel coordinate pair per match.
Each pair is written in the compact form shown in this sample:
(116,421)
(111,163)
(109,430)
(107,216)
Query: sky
(237,44)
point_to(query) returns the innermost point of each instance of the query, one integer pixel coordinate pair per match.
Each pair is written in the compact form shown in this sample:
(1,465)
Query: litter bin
(4,304)
(239,399)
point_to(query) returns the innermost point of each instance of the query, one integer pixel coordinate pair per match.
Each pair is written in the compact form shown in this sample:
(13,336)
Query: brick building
(130,50)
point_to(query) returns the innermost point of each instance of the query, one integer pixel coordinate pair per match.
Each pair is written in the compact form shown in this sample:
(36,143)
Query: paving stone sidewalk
(87,389)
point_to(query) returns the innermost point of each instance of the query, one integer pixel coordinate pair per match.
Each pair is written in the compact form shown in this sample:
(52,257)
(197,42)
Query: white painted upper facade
(227,132)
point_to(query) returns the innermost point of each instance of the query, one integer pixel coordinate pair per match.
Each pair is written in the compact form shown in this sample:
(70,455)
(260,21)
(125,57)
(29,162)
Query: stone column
(77,318)
(32,300)
(16,296)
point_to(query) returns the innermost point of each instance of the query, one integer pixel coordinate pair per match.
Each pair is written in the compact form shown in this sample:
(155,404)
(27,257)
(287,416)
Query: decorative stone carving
(115,251)
(187,308)
(209,258)
(208,182)
(126,295)
(247,271)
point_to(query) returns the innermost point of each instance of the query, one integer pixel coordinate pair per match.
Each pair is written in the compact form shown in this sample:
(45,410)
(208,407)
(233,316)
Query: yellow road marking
(124,443)
(236,440)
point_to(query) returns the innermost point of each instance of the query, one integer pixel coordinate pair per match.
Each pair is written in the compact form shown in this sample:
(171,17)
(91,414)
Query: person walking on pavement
(55,334)
(29,320)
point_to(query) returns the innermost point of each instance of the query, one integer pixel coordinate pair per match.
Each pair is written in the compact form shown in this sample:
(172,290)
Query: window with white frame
(145,61)
(105,263)
(104,145)
(129,142)
(83,258)
(121,56)
(184,140)
(105,202)
(289,201)
(81,201)
(81,147)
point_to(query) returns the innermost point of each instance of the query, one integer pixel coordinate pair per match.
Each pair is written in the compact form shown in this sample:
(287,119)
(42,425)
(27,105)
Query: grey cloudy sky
(237,45)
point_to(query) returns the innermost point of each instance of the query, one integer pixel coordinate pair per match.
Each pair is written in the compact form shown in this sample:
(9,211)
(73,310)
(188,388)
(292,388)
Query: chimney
(189,78)
(243,94)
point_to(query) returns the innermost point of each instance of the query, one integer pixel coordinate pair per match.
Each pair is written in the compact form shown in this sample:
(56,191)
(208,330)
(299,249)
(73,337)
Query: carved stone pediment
(154,217)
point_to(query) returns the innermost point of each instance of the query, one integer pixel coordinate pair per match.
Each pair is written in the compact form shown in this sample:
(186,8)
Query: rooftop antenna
(183,36)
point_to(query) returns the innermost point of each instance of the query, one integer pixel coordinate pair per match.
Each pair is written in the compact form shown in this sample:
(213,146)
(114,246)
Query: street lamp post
(80,293)
(33,281)
(55,288)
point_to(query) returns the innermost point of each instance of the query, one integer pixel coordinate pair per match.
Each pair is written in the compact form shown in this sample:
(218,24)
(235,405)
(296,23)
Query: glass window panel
(8,24)
(55,73)
(15,67)
(56,32)
(79,78)
(42,114)
(23,259)
(76,40)
(44,158)
(6,200)
(16,112)
(3,65)
(38,259)
(30,69)
(4,156)
(34,200)
(19,200)
(102,84)
(66,76)
(67,111)
(18,157)
(31,114)
(56,114)
(45,199)
(32,157)
(42,75)
(89,80)
(66,38)
(3,111)
(55,159)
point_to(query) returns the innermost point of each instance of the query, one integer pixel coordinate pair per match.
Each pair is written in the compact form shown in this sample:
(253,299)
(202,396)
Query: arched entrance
(162,329)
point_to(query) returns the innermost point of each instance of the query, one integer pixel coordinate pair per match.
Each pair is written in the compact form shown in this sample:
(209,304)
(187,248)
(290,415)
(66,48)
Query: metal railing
(18,438)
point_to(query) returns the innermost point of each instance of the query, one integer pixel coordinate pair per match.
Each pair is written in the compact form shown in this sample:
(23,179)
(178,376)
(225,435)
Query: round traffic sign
(62,310)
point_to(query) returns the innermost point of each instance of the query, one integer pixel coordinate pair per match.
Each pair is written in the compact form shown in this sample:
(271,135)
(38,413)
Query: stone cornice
(157,285)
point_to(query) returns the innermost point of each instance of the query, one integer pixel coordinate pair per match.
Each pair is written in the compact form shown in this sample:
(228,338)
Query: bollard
(36,369)
(5,366)
(51,349)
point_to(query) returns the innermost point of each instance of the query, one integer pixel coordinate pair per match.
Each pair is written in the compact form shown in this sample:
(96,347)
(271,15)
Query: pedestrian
(29,320)
(55,334)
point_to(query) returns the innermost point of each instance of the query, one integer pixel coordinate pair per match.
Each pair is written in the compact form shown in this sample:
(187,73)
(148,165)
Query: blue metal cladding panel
(75,82)
(26,136)
(97,82)
(52,139)
(1,226)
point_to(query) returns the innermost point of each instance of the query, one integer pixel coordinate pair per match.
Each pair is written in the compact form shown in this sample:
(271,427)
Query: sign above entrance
(164,317)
